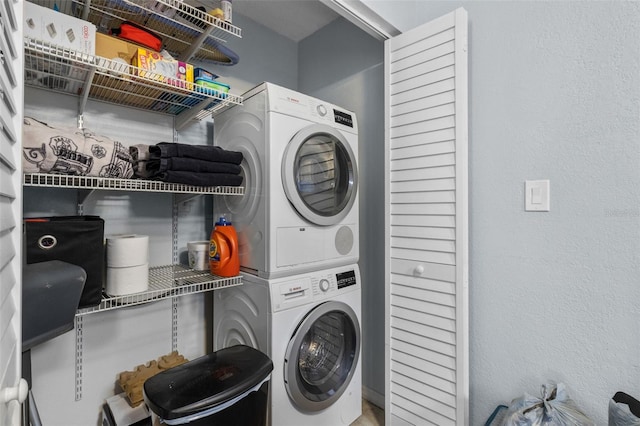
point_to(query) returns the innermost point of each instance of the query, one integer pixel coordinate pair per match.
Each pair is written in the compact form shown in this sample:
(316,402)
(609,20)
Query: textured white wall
(554,94)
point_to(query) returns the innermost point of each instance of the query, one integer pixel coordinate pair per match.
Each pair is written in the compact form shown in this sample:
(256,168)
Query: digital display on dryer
(345,279)
(343,118)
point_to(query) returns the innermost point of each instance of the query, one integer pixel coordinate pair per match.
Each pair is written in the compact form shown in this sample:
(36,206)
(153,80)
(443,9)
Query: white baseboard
(372,396)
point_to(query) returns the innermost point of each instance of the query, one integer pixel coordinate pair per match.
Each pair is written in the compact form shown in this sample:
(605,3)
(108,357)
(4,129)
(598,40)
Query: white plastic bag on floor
(621,410)
(555,408)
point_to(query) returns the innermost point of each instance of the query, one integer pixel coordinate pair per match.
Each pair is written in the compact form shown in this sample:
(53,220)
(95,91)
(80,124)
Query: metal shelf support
(83,194)
(82,101)
(174,245)
(79,356)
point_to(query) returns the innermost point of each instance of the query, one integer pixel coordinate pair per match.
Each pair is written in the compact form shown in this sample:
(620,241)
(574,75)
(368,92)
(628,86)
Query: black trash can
(228,387)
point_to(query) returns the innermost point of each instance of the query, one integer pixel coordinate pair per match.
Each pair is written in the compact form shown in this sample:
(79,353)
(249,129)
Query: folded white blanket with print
(71,151)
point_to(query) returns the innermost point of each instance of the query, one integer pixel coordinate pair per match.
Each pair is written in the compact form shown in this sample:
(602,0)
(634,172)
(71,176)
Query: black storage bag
(74,239)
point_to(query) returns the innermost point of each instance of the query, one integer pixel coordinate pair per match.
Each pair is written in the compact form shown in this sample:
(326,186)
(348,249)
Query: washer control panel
(324,285)
(346,279)
(313,287)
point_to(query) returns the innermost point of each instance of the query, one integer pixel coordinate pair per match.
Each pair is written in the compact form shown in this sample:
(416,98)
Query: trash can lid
(206,382)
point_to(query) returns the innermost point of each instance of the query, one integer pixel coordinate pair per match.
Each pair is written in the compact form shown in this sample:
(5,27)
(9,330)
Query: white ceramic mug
(198,255)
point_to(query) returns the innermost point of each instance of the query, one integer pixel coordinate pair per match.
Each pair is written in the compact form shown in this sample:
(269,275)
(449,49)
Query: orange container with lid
(223,250)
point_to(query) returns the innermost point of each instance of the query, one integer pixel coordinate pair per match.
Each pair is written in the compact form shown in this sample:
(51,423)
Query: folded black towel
(200,152)
(191,165)
(199,179)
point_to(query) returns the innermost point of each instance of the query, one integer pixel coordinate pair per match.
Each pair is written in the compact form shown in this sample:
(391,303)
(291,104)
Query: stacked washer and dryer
(297,228)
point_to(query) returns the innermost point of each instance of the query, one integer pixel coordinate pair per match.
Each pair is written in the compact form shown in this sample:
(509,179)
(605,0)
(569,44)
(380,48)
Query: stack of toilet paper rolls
(127,264)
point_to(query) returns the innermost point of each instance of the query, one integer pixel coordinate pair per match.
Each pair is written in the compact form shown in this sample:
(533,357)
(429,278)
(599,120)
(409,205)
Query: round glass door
(322,356)
(319,174)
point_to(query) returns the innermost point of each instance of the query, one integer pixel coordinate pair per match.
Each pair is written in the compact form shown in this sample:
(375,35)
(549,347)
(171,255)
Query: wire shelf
(84,182)
(165,282)
(64,70)
(182,27)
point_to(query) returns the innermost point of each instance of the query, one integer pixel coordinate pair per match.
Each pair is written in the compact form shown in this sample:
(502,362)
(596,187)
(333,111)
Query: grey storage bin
(50,296)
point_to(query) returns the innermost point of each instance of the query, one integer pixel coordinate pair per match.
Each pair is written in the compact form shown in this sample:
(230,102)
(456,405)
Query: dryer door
(319,174)
(322,356)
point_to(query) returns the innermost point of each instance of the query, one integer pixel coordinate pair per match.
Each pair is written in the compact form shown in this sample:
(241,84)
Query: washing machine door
(320,175)
(322,356)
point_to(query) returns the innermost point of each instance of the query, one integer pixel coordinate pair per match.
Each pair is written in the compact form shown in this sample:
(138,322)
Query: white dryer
(309,324)
(300,208)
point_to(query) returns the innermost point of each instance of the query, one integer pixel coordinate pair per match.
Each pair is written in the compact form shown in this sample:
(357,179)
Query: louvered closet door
(427,302)
(10,212)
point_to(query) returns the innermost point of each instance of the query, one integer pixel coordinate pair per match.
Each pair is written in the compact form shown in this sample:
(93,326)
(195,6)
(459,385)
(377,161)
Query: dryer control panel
(287,101)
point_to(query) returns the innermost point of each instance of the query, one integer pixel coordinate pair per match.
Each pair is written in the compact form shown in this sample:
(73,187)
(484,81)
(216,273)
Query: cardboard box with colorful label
(152,65)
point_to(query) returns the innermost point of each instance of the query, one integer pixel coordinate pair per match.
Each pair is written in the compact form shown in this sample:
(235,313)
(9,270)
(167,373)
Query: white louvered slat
(436,334)
(427,43)
(422,295)
(430,141)
(423,92)
(435,143)
(411,241)
(7,219)
(7,311)
(423,244)
(436,111)
(7,187)
(420,305)
(8,100)
(10,205)
(425,318)
(422,64)
(11,17)
(414,387)
(6,121)
(426,182)
(420,220)
(422,410)
(424,232)
(405,364)
(425,256)
(432,271)
(425,161)
(423,36)
(430,102)
(438,123)
(424,208)
(6,156)
(8,280)
(424,173)
(425,185)
(424,283)
(7,248)
(425,354)
(424,342)
(423,197)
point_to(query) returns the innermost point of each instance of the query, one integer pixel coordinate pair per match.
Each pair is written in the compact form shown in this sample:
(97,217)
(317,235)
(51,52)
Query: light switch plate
(536,195)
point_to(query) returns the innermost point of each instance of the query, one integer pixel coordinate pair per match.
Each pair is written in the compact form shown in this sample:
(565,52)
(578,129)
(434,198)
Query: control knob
(322,110)
(324,285)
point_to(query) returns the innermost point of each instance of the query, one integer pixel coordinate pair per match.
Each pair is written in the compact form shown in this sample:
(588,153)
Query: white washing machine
(309,324)
(300,208)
